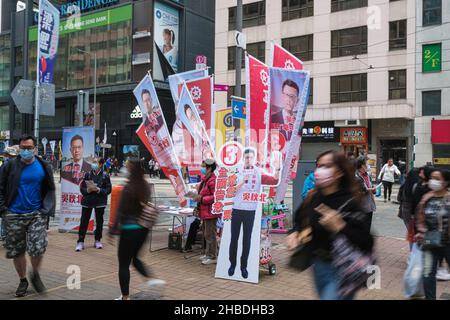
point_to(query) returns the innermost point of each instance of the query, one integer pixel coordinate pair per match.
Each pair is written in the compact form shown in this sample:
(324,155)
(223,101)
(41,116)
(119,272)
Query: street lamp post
(95,81)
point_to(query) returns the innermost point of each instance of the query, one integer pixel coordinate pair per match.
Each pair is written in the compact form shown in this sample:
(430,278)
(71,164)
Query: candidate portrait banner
(48,35)
(188,113)
(78,152)
(155,135)
(257,95)
(289,91)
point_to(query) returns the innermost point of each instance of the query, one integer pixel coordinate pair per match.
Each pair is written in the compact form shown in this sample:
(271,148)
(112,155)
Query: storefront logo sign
(136,113)
(320,131)
(83,5)
(354,135)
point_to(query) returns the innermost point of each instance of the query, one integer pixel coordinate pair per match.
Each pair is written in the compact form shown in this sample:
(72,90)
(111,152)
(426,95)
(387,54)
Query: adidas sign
(136,113)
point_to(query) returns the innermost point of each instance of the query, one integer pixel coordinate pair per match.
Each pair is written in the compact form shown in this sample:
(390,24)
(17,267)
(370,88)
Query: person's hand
(197,198)
(419,236)
(297,238)
(331,219)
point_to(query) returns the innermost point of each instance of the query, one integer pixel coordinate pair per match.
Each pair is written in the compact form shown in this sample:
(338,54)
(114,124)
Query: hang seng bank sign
(73,7)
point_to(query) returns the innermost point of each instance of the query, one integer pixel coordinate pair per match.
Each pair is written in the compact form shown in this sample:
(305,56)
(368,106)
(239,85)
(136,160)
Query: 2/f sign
(431,58)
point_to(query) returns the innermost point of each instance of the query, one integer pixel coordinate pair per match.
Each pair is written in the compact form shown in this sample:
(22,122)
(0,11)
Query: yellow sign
(224,127)
(441,161)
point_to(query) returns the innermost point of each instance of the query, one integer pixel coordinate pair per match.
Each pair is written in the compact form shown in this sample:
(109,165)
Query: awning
(440,131)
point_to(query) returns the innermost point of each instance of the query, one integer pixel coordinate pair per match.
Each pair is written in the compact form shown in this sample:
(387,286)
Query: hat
(210,162)
(11,151)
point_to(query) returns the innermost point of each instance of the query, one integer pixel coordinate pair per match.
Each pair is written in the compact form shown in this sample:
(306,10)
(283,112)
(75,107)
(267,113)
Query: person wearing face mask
(27,199)
(205,200)
(433,215)
(366,189)
(320,218)
(95,188)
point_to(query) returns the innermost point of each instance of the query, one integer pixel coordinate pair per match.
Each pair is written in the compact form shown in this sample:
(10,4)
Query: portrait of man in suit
(284,119)
(74,171)
(153,120)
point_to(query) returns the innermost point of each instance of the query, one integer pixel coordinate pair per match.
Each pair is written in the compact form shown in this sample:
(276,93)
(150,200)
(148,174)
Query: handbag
(302,257)
(149,215)
(432,239)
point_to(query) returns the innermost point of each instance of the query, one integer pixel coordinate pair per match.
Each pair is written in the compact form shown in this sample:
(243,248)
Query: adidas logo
(136,113)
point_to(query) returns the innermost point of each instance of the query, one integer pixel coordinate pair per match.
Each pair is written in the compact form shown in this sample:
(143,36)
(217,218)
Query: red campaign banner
(201,92)
(257,93)
(284,59)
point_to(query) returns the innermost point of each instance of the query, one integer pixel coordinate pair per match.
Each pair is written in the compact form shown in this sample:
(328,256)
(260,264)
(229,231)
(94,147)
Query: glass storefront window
(4,118)
(5,64)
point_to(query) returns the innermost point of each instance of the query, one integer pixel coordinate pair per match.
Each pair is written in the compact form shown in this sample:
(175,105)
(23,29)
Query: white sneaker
(209,261)
(121,298)
(98,245)
(156,283)
(442,275)
(203,257)
(79,247)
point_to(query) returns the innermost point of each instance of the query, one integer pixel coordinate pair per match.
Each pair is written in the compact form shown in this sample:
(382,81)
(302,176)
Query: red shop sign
(354,135)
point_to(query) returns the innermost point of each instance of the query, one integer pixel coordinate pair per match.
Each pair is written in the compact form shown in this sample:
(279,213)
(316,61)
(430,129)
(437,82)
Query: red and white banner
(201,91)
(289,92)
(284,59)
(257,93)
(155,135)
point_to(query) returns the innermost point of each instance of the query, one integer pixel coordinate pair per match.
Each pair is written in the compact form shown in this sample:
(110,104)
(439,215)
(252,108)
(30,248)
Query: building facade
(361,55)
(126,39)
(432,123)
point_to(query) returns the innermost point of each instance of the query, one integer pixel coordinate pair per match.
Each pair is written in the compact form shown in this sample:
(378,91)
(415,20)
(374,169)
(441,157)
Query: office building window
(311,91)
(397,84)
(5,64)
(349,88)
(348,42)
(302,47)
(253,14)
(257,50)
(397,35)
(340,5)
(432,12)
(431,103)
(294,9)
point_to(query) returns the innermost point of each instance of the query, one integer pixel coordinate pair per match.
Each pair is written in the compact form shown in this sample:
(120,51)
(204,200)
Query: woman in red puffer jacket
(205,200)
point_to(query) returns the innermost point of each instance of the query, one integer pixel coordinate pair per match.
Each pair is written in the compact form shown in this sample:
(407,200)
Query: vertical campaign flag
(281,58)
(257,93)
(289,91)
(155,135)
(48,34)
(78,150)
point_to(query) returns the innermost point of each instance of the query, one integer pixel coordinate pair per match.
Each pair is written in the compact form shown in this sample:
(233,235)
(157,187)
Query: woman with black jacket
(95,188)
(132,235)
(321,217)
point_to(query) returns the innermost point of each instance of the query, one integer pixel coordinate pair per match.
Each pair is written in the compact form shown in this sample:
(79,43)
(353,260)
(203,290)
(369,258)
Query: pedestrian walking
(156,168)
(95,188)
(387,176)
(135,195)
(367,190)
(331,210)
(433,228)
(9,153)
(205,200)
(27,199)
(151,164)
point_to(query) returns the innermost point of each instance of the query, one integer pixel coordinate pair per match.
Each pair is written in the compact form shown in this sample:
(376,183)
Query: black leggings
(387,187)
(130,243)
(84,223)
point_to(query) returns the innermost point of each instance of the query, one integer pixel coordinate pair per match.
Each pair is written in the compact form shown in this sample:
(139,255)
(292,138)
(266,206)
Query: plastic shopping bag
(378,191)
(412,278)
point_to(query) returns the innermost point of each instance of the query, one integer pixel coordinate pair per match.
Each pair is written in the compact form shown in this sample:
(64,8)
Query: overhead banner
(188,114)
(78,152)
(284,59)
(289,91)
(154,133)
(166,38)
(48,35)
(257,93)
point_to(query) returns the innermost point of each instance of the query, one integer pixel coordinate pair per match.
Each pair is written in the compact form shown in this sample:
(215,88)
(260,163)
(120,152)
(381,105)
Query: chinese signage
(354,135)
(48,34)
(431,57)
(320,132)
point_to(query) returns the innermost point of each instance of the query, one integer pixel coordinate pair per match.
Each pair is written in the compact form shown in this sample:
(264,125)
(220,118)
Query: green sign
(431,57)
(93,20)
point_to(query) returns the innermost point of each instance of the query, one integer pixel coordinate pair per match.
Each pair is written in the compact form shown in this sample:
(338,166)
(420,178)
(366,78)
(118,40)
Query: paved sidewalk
(187,278)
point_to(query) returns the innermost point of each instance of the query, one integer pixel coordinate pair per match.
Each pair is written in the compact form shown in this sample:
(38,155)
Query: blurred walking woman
(132,234)
(433,227)
(387,176)
(331,209)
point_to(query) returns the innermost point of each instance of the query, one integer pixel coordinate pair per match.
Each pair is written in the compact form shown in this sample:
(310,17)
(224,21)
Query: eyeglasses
(290,96)
(27,148)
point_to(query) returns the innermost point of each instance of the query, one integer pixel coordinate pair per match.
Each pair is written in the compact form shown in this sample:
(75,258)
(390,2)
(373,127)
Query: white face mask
(435,185)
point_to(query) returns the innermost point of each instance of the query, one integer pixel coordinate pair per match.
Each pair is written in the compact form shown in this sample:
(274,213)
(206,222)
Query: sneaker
(79,247)
(37,282)
(442,275)
(209,261)
(203,257)
(98,245)
(121,298)
(22,288)
(155,283)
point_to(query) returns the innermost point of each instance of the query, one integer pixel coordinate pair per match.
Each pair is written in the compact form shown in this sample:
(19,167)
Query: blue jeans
(326,281)
(430,265)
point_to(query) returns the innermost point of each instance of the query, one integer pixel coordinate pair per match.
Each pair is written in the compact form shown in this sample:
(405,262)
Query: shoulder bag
(432,238)
(149,215)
